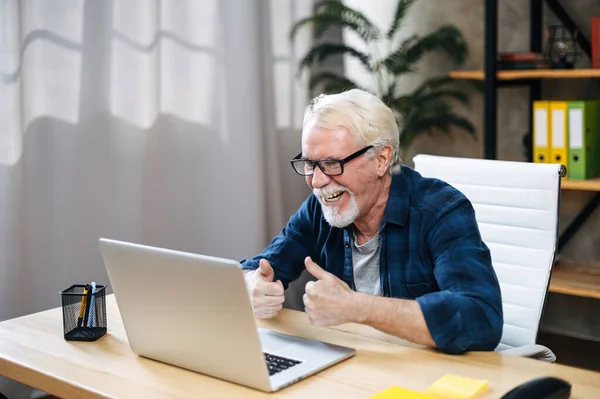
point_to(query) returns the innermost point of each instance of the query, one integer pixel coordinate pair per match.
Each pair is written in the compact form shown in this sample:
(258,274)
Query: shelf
(575,280)
(586,185)
(530,74)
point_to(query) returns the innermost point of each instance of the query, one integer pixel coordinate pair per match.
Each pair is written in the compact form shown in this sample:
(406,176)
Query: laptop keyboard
(278,363)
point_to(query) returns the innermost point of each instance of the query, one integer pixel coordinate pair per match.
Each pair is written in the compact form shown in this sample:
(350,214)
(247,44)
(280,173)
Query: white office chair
(516,206)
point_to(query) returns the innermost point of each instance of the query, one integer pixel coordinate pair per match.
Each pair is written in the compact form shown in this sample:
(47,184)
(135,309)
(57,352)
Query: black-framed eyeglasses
(330,167)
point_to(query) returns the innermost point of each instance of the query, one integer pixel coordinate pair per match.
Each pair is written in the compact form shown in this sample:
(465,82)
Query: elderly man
(388,247)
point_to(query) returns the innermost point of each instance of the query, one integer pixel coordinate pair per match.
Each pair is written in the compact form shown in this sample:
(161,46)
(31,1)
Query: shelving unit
(578,280)
(493,79)
(570,279)
(529,74)
(585,185)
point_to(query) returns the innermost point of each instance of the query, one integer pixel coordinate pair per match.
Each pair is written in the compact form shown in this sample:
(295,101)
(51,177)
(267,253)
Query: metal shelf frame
(491,85)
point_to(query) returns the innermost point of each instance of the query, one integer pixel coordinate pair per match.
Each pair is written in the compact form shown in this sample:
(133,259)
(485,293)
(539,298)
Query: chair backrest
(516,206)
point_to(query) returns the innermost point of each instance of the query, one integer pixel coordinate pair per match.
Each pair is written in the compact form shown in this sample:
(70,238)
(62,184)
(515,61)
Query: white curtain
(166,122)
(163,122)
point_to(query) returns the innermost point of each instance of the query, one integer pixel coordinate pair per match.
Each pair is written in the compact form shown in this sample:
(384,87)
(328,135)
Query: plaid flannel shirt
(431,251)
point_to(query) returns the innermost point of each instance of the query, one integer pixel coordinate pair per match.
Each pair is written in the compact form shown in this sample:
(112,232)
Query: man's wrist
(362,305)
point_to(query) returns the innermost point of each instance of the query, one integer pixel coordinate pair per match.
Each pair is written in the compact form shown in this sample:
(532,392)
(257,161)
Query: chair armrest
(539,352)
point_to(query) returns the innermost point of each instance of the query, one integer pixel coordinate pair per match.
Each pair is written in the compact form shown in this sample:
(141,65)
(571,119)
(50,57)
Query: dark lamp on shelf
(562,51)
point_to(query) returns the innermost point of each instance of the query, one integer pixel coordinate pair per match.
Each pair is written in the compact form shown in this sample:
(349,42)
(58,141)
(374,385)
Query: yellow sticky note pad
(401,393)
(456,387)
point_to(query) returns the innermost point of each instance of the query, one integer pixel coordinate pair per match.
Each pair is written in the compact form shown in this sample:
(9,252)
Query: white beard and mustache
(332,213)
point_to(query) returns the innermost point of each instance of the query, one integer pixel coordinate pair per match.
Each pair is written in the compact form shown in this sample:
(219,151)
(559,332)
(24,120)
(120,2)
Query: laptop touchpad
(271,340)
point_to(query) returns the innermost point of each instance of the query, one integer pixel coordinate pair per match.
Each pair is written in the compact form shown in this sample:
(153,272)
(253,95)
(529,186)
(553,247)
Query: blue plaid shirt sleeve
(466,314)
(287,250)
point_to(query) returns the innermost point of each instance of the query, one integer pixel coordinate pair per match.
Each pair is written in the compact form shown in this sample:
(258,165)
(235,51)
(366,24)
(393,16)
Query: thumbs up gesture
(266,295)
(327,301)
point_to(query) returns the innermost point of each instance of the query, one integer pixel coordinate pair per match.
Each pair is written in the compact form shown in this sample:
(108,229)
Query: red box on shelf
(595,38)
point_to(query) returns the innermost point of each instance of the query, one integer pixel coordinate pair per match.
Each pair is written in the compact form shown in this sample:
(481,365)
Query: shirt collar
(396,210)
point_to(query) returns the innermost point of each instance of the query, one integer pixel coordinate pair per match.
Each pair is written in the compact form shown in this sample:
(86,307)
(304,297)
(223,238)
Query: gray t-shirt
(365,262)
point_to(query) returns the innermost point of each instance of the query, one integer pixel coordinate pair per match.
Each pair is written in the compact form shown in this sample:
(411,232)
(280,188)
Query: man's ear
(384,158)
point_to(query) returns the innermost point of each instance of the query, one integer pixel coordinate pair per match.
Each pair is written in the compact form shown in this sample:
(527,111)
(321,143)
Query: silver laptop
(194,312)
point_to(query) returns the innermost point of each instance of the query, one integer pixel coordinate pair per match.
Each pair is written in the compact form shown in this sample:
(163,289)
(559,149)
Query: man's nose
(319,179)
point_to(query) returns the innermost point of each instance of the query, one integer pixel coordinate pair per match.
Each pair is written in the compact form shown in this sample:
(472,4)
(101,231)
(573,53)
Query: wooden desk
(33,351)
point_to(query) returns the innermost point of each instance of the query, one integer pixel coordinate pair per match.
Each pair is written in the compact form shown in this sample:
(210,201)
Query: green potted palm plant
(425,109)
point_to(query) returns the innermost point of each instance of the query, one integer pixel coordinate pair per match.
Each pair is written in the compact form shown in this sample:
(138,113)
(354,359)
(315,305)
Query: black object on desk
(77,301)
(541,388)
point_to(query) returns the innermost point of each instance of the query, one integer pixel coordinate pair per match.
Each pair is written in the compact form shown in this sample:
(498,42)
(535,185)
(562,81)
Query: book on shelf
(568,132)
(595,39)
(522,65)
(521,61)
(519,56)
(584,143)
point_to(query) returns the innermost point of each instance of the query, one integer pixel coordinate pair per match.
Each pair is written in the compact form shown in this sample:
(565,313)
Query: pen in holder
(84,312)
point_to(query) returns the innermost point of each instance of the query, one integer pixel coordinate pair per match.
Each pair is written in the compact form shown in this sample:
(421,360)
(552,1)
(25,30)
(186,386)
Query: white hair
(363,114)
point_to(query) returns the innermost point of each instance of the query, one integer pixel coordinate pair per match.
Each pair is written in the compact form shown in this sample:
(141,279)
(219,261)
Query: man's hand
(266,296)
(328,301)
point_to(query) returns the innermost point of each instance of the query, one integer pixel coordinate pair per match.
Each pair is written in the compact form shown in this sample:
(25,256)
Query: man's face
(346,197)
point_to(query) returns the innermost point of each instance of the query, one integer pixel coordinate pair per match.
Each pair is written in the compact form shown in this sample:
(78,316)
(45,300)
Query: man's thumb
(314,269)
(264,268)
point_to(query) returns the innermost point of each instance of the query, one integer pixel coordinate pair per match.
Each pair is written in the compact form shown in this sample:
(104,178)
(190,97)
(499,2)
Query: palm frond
(332,82)
(430,89)
(464,124)
(447,39)
(330,13)
(390,95)
(442,121)
(396,62)
(430,116)
(428,109)
(438,94)
(402,105)
(409,53)
(335,87)
(401,11)
(320,23)
(476,84)
(353,19)
(432,84)
(323,51)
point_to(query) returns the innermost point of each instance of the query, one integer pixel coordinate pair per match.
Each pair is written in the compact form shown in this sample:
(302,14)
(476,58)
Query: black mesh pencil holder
(84,312)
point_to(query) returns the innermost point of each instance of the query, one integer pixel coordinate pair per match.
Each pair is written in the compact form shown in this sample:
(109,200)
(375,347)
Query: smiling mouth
(333,197)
